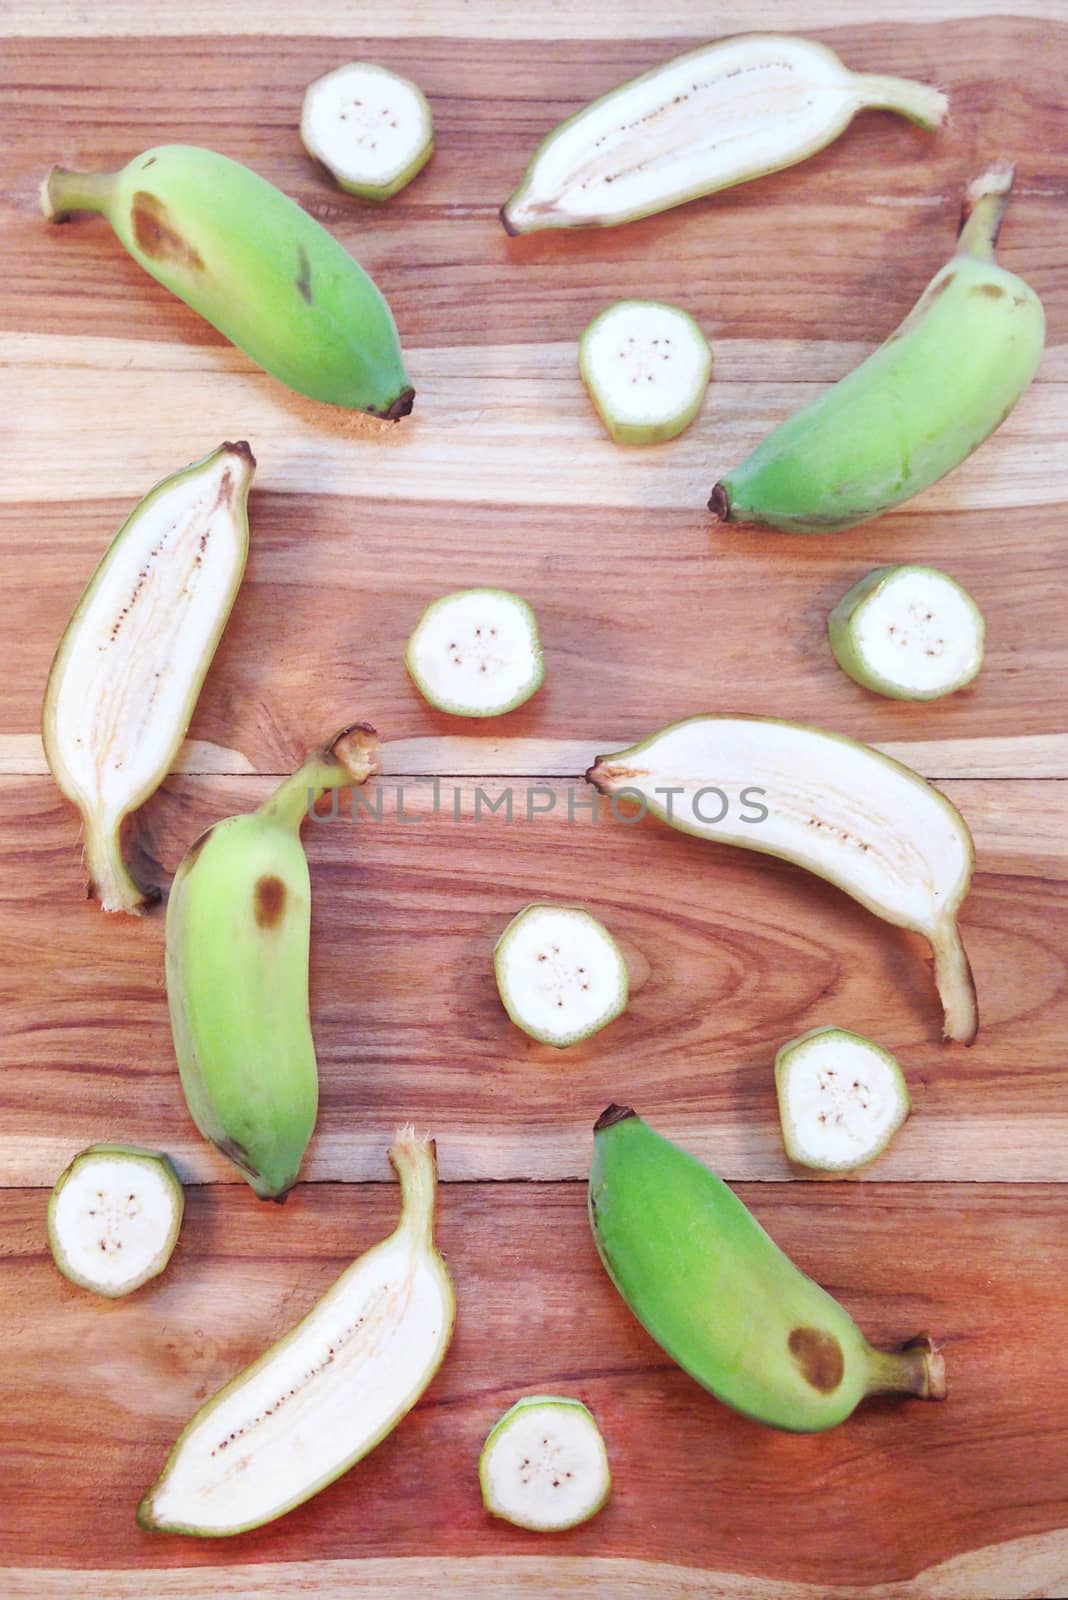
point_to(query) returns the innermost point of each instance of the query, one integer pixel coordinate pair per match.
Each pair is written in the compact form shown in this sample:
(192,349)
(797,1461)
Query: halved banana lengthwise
(714,117)
(114,1218)
(544,1465)
(839,808)
(841,1099)
(327,1393)
(916,408)
(714,1291)
(911,633)
(646,366)
(255,265)
(371,129)
(129,669)
(238,938)
(560,974)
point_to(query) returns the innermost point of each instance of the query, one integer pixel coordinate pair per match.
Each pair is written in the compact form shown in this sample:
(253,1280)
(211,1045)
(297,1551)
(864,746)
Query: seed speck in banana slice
(646,366)
(114,1218)
(911,633)
(560,974)
(841,1099)
(476,653)
(371,129)
(544,1465)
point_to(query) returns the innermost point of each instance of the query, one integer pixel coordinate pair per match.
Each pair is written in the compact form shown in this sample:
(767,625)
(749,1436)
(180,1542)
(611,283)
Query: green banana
(238,932)
(255,265)
(916,408)
(715,1292)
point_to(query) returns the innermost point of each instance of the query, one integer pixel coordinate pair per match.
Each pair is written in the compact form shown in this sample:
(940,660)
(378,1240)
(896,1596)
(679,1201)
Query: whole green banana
(916,408)
(257,266)
(238,933)
(715,1292)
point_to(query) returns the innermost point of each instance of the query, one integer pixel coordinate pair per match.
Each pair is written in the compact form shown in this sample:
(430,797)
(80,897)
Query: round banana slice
(911,633)
(114,1217)
(544,1465)
(841,1099)
(560,974)
(646,366)
(476,653)
(370,128)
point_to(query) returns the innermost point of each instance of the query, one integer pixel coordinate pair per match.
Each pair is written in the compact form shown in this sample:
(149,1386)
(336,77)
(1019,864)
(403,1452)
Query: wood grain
(648,611)
(899,1260)
(733,953)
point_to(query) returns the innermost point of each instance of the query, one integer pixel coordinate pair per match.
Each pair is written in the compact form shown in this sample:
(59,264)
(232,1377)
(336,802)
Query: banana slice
(908,632)
(646,366)
(476,653)
(560,974)
(841,1099)
(703,121)
(130,666)
(114,1218)
(544,1465)
(370,128)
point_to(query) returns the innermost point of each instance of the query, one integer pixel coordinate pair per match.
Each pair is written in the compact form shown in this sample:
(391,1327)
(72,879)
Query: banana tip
(401,407)
(719,502)
(611,1115)
(507,224)
(241,448)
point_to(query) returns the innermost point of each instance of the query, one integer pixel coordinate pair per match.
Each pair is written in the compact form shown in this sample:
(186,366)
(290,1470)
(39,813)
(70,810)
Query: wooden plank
(895,1491)
(862,226)
(484,19)
(732,955)
(712,621)
(1023,756)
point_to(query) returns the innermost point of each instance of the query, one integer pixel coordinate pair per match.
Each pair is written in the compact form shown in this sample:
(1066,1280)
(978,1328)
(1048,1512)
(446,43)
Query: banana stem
(415,1163)
(348,759)
(920,102)
(63,192)
(110,879)
(956,986)
(985,203)
(916,1368)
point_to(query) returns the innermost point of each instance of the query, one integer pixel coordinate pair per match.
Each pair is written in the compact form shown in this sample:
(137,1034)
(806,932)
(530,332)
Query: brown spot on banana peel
(819,1358)
(156,235)
(303,278)
(269,901)
(991,291)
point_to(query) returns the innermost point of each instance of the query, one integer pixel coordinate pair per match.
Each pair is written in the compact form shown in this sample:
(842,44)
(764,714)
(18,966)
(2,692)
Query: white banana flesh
(646,366)
(908,632)
(114,1218)
(370,127)
(476,653)
(544,1465)
(841,1099)
(560,974)
(714,117)
(827,803)
(128,671)
(329,1391)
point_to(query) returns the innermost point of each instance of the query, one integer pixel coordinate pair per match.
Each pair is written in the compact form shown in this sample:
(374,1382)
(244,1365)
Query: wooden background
(649,611)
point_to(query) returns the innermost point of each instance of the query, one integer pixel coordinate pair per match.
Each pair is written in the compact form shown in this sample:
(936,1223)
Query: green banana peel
(718,1295)
(238,938)
(916,408)
(255,265)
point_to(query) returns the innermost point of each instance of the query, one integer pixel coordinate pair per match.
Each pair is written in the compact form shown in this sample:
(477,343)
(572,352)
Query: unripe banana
(916,408)
(255,265)
(715,1292)
(238,931)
